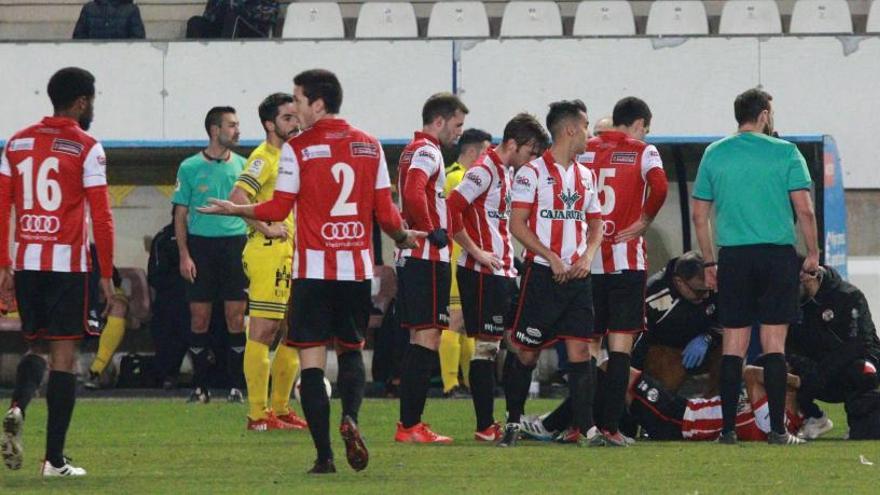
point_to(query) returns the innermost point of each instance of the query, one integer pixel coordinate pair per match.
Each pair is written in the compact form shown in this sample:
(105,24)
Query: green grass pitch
(170,447)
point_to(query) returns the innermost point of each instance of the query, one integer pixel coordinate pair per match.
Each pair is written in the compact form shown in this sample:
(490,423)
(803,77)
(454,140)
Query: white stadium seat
(677,18)
(750,17)
(458,19)
(313,20)
(531,19)
(604,18)
(874,18)
(821,17)
(386,20)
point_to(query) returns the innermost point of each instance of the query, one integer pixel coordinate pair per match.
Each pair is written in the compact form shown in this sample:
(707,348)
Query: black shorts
(422,293)
(619,299)
(657,410)
(757,284)
(549,311)
(485,302)
(219,271)
(52,305)
(327,311)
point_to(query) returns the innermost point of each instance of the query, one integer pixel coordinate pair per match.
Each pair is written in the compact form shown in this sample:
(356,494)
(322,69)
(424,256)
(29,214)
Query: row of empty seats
(593,18)
(467,19)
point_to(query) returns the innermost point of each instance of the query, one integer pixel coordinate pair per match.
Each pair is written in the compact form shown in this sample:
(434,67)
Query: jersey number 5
(344,174)
(607,202)
(48,190)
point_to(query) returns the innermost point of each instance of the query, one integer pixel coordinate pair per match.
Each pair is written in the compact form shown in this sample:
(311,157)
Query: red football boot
(419,433)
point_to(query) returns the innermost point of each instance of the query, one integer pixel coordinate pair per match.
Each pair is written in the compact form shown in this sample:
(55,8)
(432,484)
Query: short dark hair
(630,109)
(472,137)
(523,128)
(323,84)
(561,111)
(688,265)
(749,105)
(68,84)
(215,117)
(268,109)
(442,105)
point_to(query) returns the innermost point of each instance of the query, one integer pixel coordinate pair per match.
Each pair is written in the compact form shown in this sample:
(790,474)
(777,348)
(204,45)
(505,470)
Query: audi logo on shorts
(343,231)
(39,224)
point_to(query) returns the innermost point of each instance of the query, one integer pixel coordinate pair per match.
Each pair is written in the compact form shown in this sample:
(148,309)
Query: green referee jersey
(748,177)
(200,178)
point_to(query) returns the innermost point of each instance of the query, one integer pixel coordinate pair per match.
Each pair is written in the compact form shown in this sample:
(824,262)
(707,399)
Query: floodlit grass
(163,446)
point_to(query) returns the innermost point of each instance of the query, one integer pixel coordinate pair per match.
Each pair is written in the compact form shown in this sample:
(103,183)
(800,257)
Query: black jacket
(109,19)
(673,320)
(836,318)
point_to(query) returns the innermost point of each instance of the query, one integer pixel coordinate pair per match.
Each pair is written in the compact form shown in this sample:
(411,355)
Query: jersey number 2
(48,190)
(343,173)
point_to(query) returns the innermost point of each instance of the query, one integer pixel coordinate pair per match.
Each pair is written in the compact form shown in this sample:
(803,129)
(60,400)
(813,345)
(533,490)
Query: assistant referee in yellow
(267,259)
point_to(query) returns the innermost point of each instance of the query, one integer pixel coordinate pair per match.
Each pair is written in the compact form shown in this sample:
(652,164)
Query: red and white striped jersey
(621,165)
(424,154)
(561,200)
(487,189)
(703,420)
(336,174)
(49,169)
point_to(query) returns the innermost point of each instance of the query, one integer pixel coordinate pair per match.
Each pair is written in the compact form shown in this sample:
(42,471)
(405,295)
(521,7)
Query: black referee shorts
(757,284)
(219,271)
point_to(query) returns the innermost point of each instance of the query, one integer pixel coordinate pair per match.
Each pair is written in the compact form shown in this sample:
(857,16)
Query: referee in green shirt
(210,249)
(753,180)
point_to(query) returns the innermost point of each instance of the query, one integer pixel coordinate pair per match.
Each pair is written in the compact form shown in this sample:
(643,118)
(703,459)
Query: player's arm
(274,210)
(187,266)
(7,198)
(806,220)
(275,231)
(703,231)
(425,163)
(387,214)
(95,184)
(475,183)
(658,187)
(595,232)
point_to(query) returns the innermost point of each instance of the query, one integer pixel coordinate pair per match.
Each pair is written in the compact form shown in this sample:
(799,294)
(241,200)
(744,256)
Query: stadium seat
(677,18)
(874,18)
(750,17)
(46,22)
(386,20)
(166,20)
(531,19)
(313,20)
(821,17)
(604,18)
(458,19)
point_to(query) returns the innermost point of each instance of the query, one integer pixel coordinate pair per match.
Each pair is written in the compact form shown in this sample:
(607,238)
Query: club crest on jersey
(21,144)
(624,157)
(569,197)
(364,149)
(67,147)
(316,151)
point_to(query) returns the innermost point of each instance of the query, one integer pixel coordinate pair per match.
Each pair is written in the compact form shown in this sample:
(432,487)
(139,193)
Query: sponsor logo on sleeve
(364,149)
(474,178)
(426,154)
(653,153)
(624,157)
(21,144)
(67,147)
(522,180)
(256,167)
(316,151)
(102,160)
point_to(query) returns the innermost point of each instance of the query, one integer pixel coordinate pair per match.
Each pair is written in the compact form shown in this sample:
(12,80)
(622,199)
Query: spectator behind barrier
(109,19)
(234,19)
